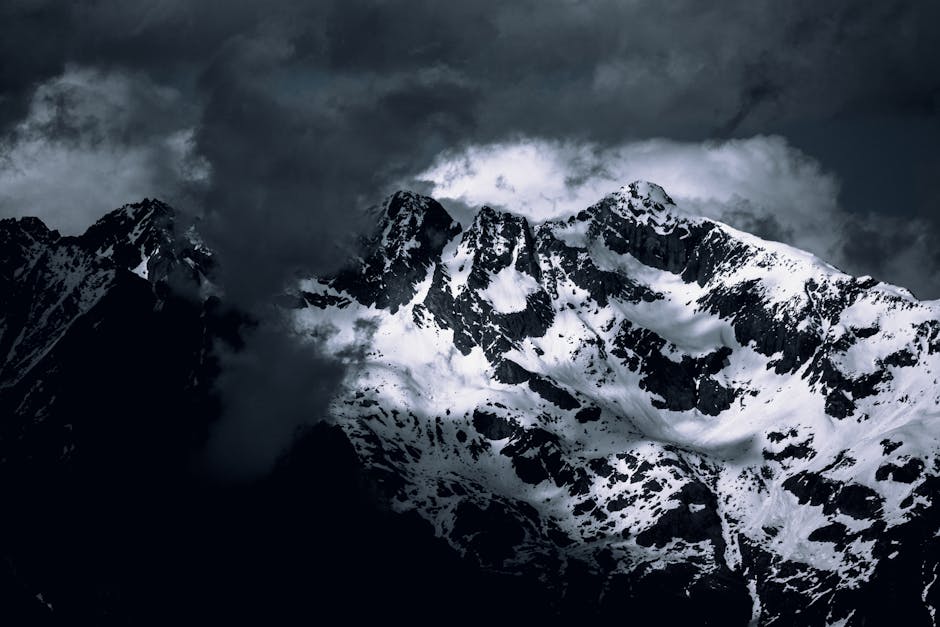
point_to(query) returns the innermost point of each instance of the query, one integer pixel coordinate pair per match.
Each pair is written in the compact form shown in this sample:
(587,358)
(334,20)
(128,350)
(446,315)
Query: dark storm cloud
(366,89)
(271,390)
(297,153)
(305,112)
(714,62)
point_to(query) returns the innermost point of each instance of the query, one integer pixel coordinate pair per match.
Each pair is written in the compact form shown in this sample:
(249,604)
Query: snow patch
(142,270)
(508,290)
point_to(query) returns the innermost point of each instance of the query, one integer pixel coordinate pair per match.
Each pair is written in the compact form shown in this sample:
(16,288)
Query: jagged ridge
(645,395)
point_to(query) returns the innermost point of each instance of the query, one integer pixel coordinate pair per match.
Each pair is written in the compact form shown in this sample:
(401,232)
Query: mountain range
(630,412)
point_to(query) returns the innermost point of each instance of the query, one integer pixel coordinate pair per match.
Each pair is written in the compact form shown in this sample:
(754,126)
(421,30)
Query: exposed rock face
(410,234)
(495,243)
(662,403)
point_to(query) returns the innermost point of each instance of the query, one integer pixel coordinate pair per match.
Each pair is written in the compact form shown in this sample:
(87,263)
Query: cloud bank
(306,112)
(92,141)
(761,185)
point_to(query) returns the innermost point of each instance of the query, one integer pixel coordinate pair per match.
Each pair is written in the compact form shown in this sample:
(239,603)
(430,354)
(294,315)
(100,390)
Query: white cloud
(93,141)
(757,183)
(761,185)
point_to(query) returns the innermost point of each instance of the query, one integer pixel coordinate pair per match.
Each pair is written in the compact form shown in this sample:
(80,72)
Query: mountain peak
(19,232)
(405,202)
(405,205)
(486,217)
(408,223)
(29,225)
(411,231)
(642,200)
(138,215)
(649,194)
(132,234)
(491,227)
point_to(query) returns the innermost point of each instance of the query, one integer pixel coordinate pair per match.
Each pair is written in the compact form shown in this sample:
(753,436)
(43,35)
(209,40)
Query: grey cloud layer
(95,140)
(358,90)
(336,97)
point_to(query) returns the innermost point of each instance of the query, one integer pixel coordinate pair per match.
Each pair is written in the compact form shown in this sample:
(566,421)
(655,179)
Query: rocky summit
(644,413)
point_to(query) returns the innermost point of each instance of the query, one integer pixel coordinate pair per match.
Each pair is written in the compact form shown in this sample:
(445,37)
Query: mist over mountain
(626,411)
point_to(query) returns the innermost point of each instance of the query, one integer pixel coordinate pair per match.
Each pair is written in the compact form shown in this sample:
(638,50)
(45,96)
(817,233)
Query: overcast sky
(812,122)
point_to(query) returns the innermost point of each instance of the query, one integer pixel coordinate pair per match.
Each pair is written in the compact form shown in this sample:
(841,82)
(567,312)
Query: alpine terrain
(630,412)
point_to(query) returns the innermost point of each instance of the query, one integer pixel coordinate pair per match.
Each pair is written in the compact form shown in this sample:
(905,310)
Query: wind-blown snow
(508,289)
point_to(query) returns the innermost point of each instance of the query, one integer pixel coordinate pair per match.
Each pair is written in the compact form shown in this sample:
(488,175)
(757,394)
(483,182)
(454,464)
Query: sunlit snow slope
(647,400)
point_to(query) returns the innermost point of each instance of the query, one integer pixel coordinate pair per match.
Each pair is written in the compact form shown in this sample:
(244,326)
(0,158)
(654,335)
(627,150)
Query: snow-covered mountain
(661,402)
(647,412)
